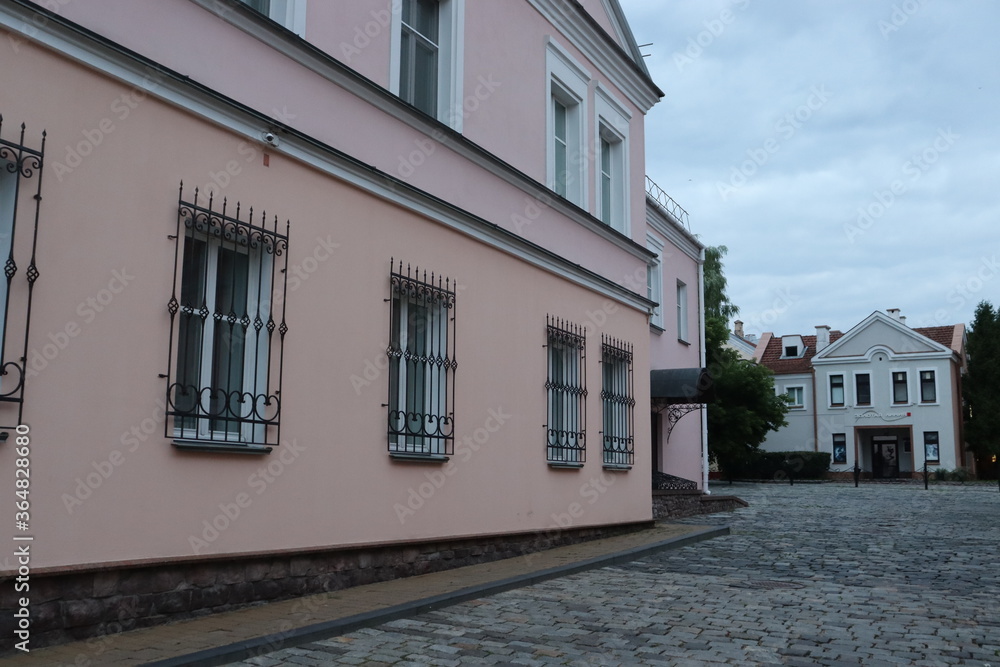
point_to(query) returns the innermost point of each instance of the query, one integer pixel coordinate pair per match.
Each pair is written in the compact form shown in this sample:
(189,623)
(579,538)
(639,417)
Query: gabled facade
(313,283)
(883,397)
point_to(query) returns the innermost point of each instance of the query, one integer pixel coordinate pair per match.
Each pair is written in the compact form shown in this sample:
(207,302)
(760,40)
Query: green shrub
(778,465)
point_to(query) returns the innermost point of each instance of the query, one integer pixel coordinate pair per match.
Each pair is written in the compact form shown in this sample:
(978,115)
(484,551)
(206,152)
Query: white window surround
(892,387)
(854,388)
(800,394)
(920,387)
(451,61)
(612,126)
(567,82)
(654,287)
(683,326)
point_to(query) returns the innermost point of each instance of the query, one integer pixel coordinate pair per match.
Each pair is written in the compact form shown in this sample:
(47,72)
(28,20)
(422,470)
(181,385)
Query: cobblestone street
(812,575)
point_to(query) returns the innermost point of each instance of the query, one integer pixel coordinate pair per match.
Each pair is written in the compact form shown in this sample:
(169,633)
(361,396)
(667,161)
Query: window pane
(422,17)
(425,79)
(190,331)
(229,344)
(262,6)
(837,389)
(899,394)
(406,66)
(606,181)
(928,390)
(864,389)
(560,147)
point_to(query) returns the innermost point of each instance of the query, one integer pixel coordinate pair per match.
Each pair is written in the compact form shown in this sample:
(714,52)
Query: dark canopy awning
(673,386)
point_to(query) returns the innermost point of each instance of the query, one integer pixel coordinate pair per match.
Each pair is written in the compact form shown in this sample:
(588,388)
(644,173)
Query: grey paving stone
(888,574)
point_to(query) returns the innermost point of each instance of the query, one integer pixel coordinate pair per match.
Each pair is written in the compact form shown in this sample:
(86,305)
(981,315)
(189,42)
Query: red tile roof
(772,355)
(771,358)
(943,335)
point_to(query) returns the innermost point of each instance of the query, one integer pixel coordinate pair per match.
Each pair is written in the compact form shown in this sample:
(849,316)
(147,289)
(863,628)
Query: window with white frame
(611,165)
(421,364)
(682,312)
(862,389)
(566,388)
(289,13)
(654,279)
(797,396)
(928,387)
(228,339)
(837,390)
(426,57)
(618,402)
(566,165)
(900,389)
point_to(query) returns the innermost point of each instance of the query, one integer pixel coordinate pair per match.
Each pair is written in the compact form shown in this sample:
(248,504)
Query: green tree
(744,407)
(981,385)
(717,303)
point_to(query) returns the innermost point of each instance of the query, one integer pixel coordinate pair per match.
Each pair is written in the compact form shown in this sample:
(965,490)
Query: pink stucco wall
(95,408)
(275,85)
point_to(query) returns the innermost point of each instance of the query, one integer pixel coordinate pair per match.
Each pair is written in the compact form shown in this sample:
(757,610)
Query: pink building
(306,294)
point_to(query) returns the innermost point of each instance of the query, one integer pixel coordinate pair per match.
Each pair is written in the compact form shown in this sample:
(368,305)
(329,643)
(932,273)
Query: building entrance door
(885,457)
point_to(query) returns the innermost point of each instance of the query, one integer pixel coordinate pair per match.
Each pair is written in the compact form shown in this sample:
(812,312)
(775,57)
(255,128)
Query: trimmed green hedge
(779,465)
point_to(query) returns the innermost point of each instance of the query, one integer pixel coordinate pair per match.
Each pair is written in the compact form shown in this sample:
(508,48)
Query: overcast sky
(847,153)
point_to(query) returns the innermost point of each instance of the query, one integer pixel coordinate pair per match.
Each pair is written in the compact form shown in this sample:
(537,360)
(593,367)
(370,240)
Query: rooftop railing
(667,204)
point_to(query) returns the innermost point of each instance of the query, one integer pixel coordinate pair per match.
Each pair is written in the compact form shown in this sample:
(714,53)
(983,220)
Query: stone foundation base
(96,602)
(677,504)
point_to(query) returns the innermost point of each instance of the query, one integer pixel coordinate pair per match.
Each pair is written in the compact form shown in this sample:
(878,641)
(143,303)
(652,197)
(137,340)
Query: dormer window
(792,347)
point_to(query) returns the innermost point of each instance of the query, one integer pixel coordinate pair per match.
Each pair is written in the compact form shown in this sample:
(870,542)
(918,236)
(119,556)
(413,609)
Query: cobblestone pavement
(811,575)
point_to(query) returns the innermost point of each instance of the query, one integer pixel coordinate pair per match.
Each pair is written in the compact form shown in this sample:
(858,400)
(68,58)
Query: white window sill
(560,465)
(411,457)
(219,447)
(617,467)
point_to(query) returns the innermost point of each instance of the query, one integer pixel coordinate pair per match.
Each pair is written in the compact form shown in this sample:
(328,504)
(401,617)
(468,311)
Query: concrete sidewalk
(237,635)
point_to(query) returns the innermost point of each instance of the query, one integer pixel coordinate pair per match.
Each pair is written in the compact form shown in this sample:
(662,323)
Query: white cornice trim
(607,56)
(678,236)
(336,72)
(65,38)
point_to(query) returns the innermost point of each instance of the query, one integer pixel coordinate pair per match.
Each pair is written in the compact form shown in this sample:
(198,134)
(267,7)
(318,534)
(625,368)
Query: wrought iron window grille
(422,364)
(618,401)
(226,337)
(18,165)
(566,387)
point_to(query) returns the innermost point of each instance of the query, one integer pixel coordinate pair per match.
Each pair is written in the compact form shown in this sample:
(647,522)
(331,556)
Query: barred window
(19,164)
(618,402)
(224,329)
(421,364)
(567,393)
